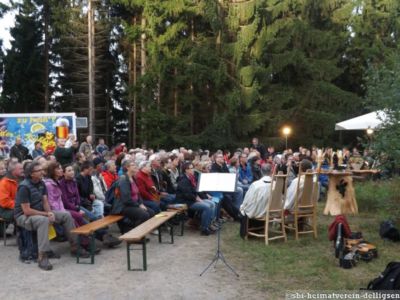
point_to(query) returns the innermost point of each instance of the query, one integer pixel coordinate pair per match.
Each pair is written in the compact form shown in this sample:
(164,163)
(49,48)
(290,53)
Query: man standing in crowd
(32,212)
(259,147)
(101,147)
(19,151)
(86,147)
(4,151)
(38,151)
(64,155)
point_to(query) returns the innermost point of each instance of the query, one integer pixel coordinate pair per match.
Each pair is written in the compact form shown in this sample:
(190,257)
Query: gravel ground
(173,273)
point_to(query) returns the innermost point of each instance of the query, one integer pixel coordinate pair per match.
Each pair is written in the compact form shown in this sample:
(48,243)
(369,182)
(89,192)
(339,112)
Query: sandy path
(173,273)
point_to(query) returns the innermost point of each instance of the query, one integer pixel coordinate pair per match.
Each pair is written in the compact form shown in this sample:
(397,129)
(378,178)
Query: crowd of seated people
(69,186)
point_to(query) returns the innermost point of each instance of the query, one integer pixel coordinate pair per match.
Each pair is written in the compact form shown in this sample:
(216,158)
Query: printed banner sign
(35,127)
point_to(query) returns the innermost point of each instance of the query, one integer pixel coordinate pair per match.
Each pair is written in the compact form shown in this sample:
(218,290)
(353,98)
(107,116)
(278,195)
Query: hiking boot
(10,230)
(43,262)
(110,241)
(97,250)
(51,254)
(213,228)
(205,232)
(82,252)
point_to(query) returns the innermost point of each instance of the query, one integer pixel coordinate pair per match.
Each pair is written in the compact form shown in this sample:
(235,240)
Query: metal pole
(286,142)
(91,62)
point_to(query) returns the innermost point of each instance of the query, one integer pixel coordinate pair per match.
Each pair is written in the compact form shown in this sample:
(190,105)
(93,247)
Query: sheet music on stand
(217,182)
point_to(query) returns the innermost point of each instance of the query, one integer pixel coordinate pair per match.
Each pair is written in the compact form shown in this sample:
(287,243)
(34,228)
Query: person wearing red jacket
(147,188)
(110,174)
(8,190)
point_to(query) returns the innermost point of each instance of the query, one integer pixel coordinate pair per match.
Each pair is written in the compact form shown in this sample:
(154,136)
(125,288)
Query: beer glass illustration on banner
(62,128)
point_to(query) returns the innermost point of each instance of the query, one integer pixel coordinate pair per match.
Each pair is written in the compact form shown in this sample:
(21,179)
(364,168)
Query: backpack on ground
(27,244)
(388,279)
(388,231)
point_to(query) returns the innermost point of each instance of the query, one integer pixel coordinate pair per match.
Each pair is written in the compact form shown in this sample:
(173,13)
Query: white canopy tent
(371,120)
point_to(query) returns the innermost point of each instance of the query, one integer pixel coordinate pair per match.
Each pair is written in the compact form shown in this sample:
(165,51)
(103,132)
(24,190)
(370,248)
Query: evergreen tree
(23,65)
(382,85)
(287,56)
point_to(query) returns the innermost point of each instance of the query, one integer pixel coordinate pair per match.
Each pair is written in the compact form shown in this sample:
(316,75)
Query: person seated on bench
(92,207)
(186,193)
(292,189)
(8,190)
(110,174)
(147,189)
(132,206)
(99,185)
(72,203)
(161,182)
(32,212)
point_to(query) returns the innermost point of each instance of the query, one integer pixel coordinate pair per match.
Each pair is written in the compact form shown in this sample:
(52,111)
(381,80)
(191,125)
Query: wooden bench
(180,215)
(4,223)
(138,235)
(89,229)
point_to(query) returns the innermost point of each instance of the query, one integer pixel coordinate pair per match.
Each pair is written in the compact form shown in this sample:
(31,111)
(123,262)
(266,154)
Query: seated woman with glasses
(198,202)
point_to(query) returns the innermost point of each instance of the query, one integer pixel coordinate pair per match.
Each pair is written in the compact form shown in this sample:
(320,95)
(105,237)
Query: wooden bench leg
(4,224)
(144,255)
(171,232)
(182,221)
(92,248)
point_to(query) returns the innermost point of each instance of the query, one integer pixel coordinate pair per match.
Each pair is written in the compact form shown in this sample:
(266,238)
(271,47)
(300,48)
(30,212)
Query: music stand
(218,182)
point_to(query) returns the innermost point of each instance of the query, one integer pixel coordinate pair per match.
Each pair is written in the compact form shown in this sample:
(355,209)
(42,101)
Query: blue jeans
(238,197)
(216,198)
(166,200)
(207,209)
(98,208)
(153,205)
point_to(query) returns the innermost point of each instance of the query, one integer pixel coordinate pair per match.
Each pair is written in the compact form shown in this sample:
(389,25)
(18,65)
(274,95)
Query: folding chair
(274,212)
(305,204)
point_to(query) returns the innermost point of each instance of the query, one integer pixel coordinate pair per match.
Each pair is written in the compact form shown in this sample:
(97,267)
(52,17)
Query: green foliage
(379,196)
(215,72)
(382,84)
(23,64)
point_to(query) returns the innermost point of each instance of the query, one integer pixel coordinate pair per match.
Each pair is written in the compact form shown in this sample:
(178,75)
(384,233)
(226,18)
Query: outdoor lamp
(370,131)
(286,131)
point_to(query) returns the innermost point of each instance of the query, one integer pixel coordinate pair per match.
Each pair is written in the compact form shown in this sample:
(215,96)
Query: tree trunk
(175,95)
(46,55)
(142,73)
(91,65)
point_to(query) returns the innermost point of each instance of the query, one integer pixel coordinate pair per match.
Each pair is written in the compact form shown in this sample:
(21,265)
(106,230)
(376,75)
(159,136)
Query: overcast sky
(5,24)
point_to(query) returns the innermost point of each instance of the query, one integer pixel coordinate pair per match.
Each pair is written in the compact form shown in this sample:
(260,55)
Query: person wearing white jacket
(256,200)
(99,185)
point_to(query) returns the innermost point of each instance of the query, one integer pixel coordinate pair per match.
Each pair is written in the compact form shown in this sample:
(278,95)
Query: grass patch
(310,264)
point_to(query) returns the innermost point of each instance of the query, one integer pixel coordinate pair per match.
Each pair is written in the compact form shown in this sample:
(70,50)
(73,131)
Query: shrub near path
(310,265)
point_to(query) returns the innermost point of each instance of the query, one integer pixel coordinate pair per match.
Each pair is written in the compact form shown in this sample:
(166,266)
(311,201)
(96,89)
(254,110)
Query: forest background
(205,73)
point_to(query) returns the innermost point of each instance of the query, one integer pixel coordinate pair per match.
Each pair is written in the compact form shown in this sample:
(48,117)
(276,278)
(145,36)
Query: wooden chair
(274,213)
(305,205)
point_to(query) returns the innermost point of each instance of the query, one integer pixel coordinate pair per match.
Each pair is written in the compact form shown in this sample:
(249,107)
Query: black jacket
(85,186)
(20,152)
(216,168)
(186,192)
(125,197)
